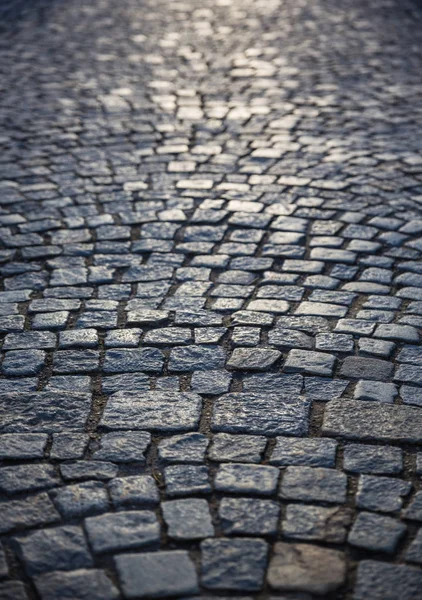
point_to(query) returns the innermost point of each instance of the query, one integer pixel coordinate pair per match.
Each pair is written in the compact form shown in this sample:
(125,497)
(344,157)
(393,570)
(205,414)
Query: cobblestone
(210,300)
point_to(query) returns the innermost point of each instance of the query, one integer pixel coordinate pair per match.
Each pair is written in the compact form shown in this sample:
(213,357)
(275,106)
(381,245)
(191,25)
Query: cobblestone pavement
(211,227)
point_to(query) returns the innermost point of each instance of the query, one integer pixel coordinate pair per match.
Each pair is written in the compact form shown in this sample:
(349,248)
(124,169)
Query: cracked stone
(316,523)
(306,568)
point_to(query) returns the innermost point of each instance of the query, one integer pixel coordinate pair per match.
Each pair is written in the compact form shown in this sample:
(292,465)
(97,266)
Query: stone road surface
(211,308)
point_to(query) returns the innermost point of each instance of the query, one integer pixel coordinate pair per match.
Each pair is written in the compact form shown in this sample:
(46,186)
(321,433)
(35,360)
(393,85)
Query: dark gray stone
(386,581)
(130,382)
(82,584)
(414,551)
(253,359)
(249,516)
(185,448)
(87,469)
(185,480)
(375,391)
(76,361)
(23,362)
(135,491)
(409,374)
(274,383)
(81,500)
(314,452)
(60,548)
(132,360)
(377,533)
(233,564)
(69,445)
(30,512)
(21,446)
(4,567)
(154,411)
(289,338)
(156,574)
(122,531)
(42,340)
(356,367)
(123,447)
(13,590)
(367,421)
(247,479)
(252,413)
(211,382)
(414,510)
(310,484)
(377,460)
(237,448)
(27,478)
(323,389)
(383,494)
(314,363)
(168,336)
(196,358)
(188,519)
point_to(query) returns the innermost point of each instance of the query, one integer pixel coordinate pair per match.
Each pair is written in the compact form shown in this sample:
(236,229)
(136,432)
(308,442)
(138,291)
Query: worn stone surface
(123,447)
(247,479)
(256,414)
(309,523)
(366,421)
(84,584)
(20,514)
(157,574)
(355,367)
(308,483)
(44,411)
(185,448)
(156,411)
(306,568)
(136,491)
(246,359)
(233,564)
(304,452)
(384,494)
(81,500)
(183,480)
(378,460)
(249,516)
(122,531)
(384,581)
(314,363)
(57,549)
(188,519)
(377,533)
(226,447)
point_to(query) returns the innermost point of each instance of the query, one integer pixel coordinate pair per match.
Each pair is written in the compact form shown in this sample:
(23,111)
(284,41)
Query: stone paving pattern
(211,308)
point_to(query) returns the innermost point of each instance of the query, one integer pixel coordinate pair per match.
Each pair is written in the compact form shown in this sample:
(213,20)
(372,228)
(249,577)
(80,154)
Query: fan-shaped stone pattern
(211,299)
